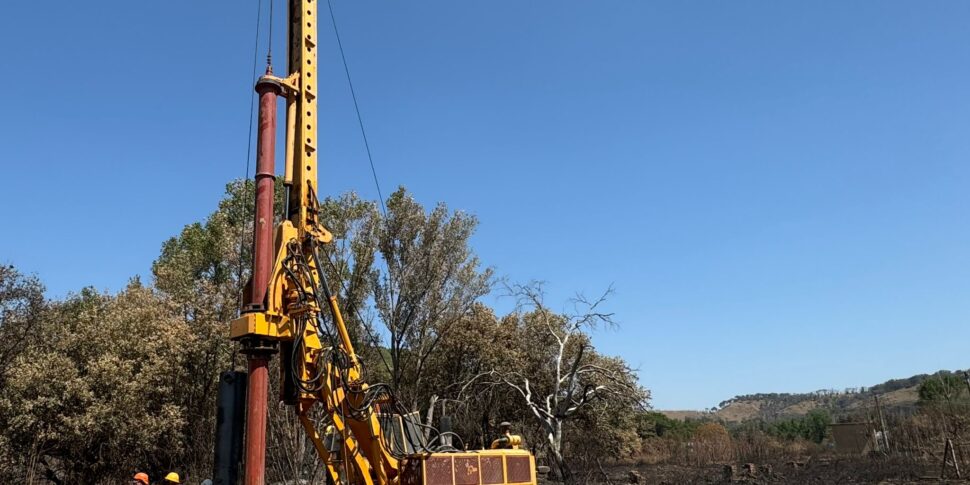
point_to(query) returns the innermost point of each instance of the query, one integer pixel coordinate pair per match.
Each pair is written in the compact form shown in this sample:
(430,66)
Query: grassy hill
(893,394)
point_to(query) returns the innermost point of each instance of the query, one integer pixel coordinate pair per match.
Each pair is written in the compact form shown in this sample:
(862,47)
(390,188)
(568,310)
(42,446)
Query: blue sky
(778,190)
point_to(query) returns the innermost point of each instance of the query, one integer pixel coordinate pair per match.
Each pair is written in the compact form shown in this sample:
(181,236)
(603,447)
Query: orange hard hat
(141,477)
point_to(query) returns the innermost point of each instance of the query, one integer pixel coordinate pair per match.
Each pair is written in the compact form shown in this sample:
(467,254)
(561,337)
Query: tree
(479,342)
(101,392)
(817,425)
(941,388)
(351,271)
(711,432)
(812,427)
(711,443)
(203,270)
(562,375)
(431,281)
(652,424)
(21,304)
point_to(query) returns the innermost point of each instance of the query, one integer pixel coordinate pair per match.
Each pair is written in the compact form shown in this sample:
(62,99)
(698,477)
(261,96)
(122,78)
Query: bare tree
(577,376)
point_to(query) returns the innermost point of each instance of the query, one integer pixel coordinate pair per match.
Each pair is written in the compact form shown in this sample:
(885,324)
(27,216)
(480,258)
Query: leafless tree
(575,381)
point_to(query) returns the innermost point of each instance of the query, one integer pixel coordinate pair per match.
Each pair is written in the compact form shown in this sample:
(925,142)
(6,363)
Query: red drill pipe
(263,250)
(256,393)
(263,253)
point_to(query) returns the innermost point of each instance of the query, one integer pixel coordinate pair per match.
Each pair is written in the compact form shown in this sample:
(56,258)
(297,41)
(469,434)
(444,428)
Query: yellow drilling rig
(289,310)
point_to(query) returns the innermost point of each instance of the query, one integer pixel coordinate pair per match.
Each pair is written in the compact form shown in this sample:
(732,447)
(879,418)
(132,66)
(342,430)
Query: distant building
(851,438)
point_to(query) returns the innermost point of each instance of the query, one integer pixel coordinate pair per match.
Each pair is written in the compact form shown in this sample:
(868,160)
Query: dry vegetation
(705,448)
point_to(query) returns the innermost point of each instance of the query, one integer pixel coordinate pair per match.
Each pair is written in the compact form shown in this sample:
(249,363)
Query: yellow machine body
(485,467)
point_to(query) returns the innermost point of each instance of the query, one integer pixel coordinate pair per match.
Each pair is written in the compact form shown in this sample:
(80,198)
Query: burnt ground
(882,471)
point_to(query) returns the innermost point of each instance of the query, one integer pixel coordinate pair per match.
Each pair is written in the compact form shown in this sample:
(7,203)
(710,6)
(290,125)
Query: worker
(140,479)
(171,478)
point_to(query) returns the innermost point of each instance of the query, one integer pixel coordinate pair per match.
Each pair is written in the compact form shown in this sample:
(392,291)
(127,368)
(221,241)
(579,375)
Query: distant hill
(893,394)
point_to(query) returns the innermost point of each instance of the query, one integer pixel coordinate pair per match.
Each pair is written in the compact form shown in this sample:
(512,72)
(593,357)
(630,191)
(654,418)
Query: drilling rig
(364,437)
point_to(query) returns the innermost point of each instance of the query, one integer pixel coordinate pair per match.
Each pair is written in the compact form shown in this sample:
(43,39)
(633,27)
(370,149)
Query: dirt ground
(879,471)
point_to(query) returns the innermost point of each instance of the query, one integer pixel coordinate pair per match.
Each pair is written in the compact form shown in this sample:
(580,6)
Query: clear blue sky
(777,189)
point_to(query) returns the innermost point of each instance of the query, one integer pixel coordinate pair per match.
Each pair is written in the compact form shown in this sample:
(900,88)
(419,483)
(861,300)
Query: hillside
(893,394)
